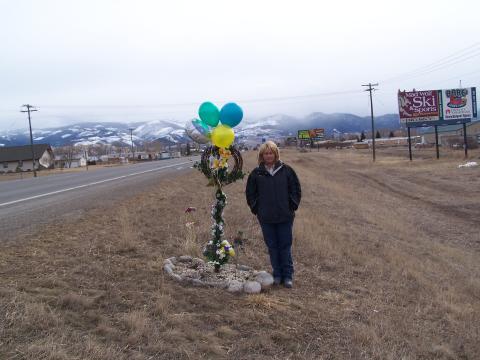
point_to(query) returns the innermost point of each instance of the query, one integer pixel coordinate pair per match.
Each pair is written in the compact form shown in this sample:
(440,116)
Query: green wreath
(222,175)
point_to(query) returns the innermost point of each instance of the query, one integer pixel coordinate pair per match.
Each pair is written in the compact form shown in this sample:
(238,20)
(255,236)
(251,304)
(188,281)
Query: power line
(460,76)
(441,62)
(153,106)
(442,67)
(444,64)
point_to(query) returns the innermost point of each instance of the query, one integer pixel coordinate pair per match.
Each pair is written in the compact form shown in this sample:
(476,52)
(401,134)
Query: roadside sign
(317,134)
(303,135)
(459,104)
(437,107)
(417,107)
(312,134)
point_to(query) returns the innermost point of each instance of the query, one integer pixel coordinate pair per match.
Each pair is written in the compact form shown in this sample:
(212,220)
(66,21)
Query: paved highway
(26,203)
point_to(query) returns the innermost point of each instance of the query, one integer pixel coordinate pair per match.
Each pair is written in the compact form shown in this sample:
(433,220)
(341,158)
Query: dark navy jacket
(273,199)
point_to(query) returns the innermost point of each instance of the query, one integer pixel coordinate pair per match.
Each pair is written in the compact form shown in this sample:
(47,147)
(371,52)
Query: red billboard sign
(317,134)
(419,106)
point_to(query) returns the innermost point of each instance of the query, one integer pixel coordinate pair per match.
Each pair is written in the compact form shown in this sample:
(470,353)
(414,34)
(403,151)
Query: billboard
(459,104)
(317,134)
(419,106)
(312,134)
(303,135)
(437,107)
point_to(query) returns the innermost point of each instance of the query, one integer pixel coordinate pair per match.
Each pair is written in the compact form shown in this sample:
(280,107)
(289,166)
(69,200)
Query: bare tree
(66,154)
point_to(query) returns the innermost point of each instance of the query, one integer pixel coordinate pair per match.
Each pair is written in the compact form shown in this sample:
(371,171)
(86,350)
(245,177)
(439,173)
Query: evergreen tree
(362,136)
(391,134)
(377,135)
(187,151)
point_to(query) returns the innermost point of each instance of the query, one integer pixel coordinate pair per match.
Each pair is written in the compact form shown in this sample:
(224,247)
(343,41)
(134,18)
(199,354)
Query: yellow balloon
(222,136)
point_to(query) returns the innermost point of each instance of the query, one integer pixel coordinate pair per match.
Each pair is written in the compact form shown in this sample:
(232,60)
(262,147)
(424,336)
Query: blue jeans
(278,238)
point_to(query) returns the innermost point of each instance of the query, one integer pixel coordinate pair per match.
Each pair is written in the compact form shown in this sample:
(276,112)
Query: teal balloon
(231,114)
(209,114)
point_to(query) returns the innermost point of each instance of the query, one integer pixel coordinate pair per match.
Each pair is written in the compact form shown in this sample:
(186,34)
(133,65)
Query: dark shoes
(288,283)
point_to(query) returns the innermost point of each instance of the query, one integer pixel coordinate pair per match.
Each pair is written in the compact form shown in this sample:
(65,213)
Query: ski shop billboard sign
(417,107)
(437,107)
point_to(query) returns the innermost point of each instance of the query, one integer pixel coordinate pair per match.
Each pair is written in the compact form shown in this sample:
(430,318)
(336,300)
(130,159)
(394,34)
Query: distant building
(19,158)
(70,161)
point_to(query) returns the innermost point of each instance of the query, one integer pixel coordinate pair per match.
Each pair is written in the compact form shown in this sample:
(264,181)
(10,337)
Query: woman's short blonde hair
(271,146)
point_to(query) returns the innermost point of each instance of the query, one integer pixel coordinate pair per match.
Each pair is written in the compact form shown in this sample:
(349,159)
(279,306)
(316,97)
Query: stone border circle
(194,271)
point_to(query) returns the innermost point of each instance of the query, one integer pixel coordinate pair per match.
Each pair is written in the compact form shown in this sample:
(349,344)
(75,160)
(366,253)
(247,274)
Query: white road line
(92,183)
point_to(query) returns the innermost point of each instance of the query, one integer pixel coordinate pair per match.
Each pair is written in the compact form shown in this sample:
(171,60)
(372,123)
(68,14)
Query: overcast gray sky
(116,60)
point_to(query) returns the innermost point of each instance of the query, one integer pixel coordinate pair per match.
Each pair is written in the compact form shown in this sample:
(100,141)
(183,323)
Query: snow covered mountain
(161,129)
(171,132)
(99,133)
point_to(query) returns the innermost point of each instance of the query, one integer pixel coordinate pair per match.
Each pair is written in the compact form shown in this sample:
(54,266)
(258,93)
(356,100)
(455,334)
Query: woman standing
(273,195)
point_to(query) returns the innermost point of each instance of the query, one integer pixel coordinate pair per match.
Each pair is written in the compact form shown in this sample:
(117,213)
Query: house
(19,158)
(70,161)
(446,133)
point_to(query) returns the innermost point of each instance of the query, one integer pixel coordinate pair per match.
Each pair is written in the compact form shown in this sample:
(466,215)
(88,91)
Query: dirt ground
(387,267)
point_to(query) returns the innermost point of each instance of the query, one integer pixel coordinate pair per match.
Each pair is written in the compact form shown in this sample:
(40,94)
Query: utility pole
(370,89)
(131,140)
(29,110)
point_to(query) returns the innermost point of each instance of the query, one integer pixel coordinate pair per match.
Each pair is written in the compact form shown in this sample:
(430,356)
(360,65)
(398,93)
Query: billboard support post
(409,144)
(465,142)
(436,142)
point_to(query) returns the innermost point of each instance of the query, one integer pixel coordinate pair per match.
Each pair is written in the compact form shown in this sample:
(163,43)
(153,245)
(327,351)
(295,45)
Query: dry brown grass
(387,267)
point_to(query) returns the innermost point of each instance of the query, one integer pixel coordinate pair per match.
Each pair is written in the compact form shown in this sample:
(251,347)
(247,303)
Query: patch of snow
(66,135)
(179,132)
(468,164)
(95,138)
(39,138)
(41,132)
(85,143)
(2,144)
